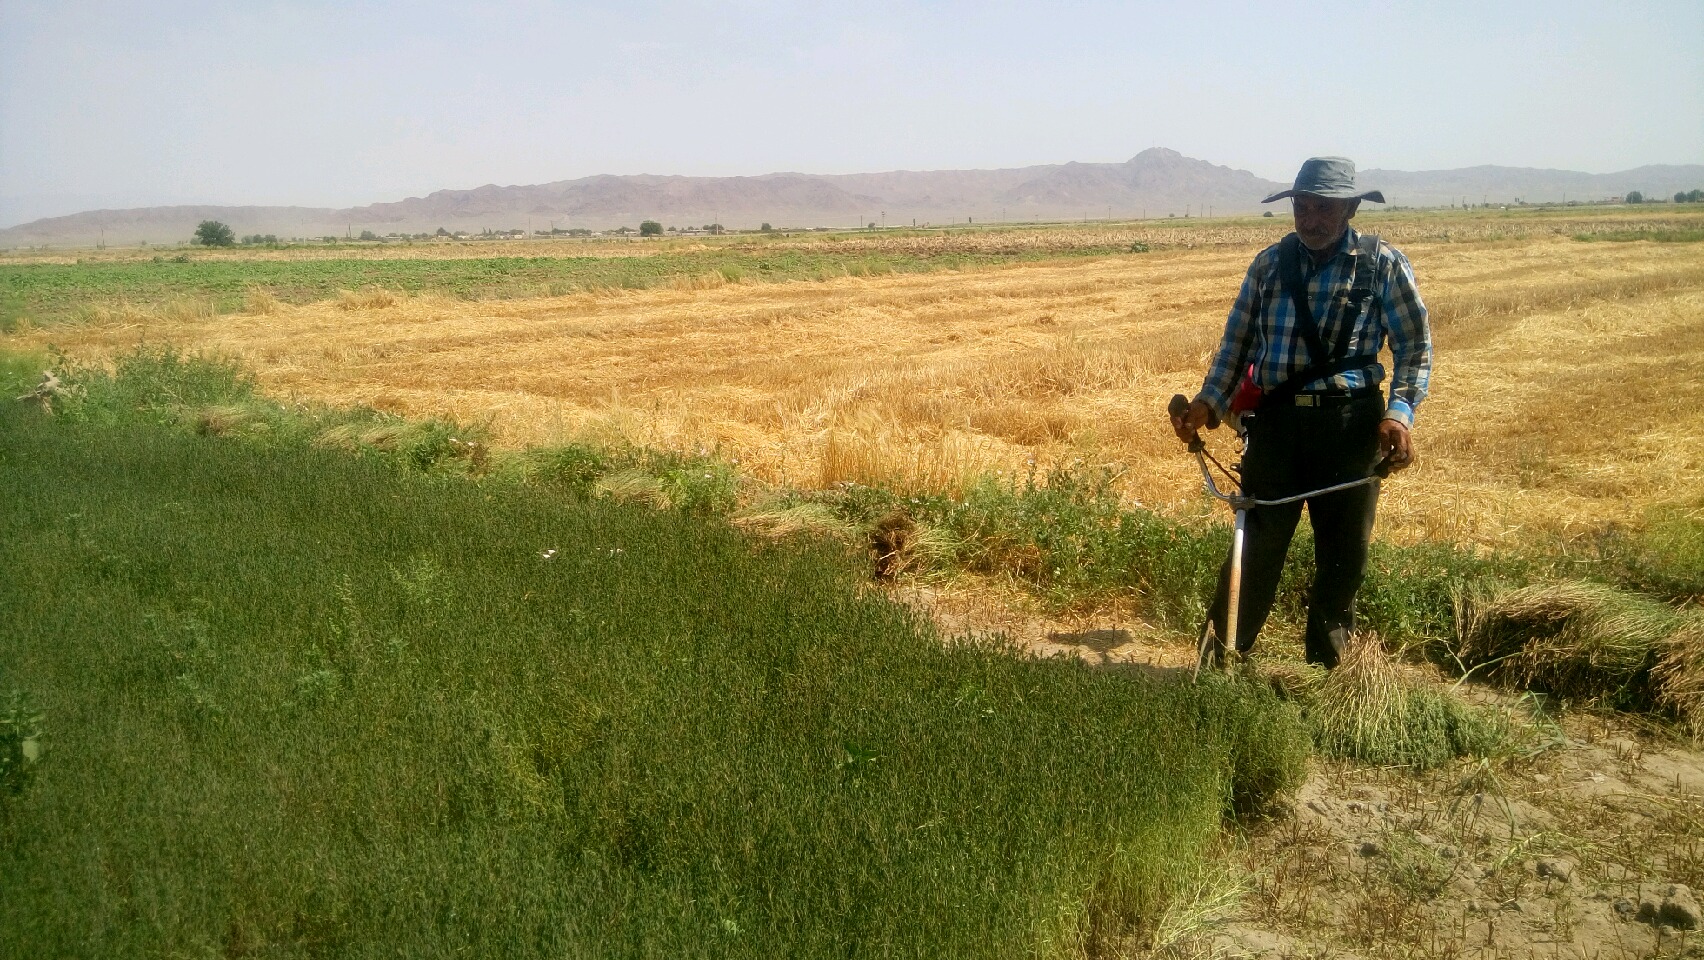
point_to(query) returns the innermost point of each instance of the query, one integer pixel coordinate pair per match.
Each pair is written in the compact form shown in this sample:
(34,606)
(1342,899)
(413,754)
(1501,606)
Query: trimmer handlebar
(1178,407)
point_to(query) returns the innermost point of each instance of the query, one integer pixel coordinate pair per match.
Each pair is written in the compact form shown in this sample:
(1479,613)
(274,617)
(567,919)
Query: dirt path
(1588,848)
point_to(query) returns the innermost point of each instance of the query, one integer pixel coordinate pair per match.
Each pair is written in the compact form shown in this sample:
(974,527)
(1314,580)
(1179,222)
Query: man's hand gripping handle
(1188,418)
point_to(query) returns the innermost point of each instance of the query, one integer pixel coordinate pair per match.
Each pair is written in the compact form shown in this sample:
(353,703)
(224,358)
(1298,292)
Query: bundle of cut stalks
(1591,642)
(800,519)
(1370,709)
(1679,674)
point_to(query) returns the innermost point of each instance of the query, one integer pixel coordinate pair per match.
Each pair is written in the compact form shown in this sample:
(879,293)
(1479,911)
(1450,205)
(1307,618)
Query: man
(1321,418)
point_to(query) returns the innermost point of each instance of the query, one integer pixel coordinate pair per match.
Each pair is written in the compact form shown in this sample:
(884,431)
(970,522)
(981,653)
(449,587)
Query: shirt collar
(1348,243)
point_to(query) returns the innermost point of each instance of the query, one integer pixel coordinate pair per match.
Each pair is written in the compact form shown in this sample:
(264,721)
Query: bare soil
(1588,843)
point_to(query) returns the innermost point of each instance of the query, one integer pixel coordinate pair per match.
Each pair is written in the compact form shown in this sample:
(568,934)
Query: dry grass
(261,303)
(368,299)
(1568,394)
(1679,674)
(799,519)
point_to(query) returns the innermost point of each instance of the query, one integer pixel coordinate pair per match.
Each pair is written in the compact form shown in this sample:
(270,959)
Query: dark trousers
(1292,450)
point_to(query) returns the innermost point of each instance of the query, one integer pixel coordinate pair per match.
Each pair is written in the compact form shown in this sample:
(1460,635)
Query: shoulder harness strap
(1325,363)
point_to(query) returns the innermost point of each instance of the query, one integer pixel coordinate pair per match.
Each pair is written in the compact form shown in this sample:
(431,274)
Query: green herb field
(299,702)
(50,292)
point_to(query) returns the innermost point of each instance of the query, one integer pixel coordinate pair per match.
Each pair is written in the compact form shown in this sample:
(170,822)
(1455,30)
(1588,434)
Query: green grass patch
(1067,535)
(1663,556)
(302,702)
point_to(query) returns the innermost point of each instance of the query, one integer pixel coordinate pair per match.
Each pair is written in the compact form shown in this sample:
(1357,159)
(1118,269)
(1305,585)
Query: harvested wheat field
(1568,390)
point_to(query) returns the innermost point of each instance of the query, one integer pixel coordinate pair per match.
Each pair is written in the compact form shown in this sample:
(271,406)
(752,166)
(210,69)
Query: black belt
(1333,398)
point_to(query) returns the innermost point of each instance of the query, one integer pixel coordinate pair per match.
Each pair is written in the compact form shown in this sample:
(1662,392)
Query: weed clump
(1369,710)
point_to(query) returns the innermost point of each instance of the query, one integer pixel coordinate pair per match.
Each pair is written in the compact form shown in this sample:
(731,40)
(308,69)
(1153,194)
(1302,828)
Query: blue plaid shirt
(1261,329)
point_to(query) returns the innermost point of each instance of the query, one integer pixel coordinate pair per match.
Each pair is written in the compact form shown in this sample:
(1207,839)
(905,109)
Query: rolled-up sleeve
(1410,333)
(1236,346)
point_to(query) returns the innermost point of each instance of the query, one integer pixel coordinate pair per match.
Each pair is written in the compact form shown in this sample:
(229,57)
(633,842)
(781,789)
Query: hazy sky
(345,102)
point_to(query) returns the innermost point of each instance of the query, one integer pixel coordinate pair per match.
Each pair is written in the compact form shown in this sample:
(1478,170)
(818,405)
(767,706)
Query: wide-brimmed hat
(1332,177)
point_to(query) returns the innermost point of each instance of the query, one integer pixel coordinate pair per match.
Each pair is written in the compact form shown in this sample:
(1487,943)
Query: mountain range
(1157,182)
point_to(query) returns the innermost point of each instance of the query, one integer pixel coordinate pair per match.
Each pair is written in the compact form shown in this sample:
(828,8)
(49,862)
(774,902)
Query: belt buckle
(1306,400)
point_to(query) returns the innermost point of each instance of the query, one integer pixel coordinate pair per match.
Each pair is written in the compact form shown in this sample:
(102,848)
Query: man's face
(1320,221)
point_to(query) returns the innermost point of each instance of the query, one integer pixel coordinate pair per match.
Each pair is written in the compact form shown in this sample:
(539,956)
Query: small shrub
(157,385)
(701,486)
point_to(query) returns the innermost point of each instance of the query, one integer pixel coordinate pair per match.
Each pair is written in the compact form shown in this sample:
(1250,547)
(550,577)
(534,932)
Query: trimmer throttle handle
(1179,408)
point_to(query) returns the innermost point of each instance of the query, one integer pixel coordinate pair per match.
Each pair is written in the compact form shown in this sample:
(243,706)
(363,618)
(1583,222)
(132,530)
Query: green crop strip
(48,293)
(295,701)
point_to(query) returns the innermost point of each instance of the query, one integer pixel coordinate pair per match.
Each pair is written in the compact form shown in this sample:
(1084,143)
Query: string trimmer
(1240,504)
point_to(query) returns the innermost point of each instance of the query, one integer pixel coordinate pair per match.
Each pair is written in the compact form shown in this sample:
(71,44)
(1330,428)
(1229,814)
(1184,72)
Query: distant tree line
(213,233)
(1684,196)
